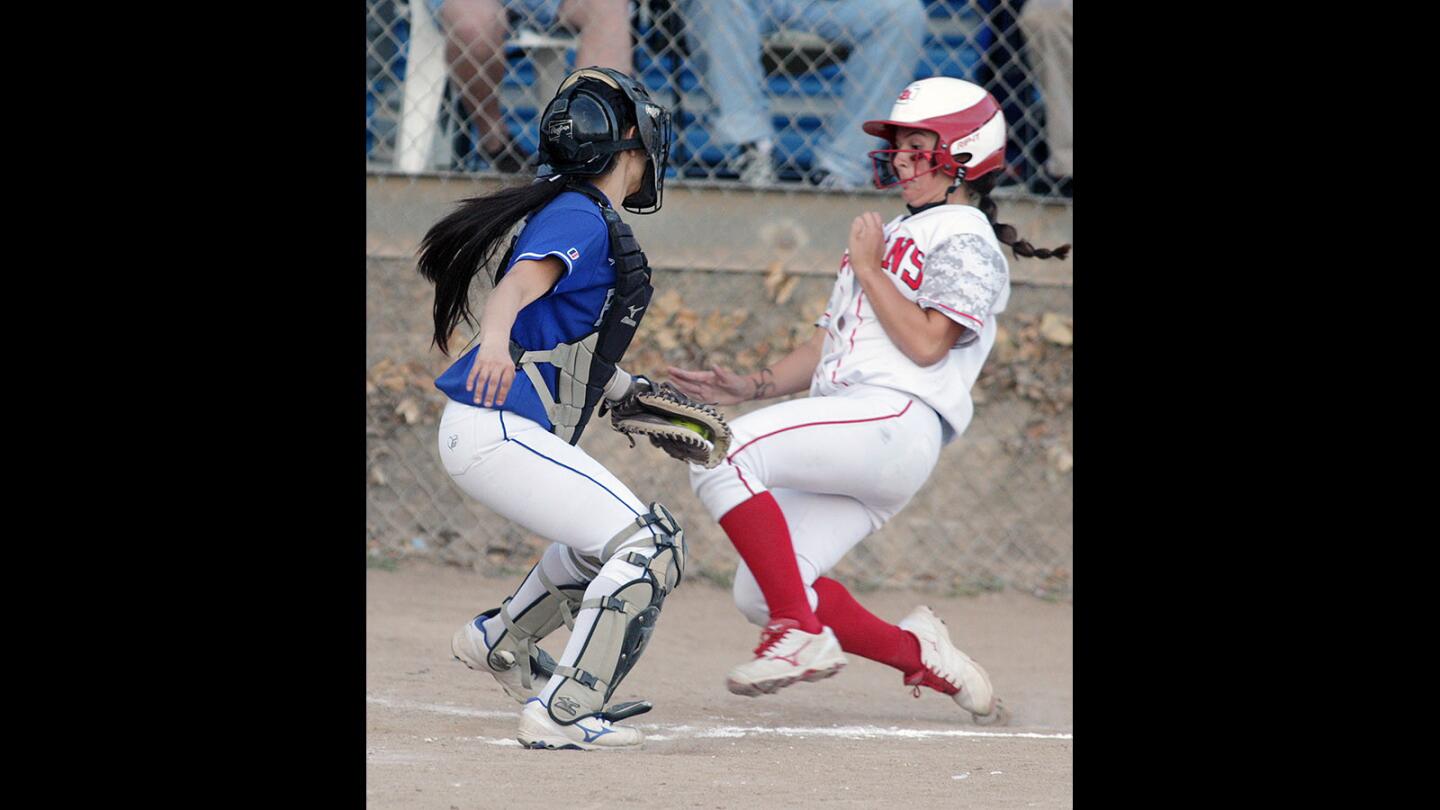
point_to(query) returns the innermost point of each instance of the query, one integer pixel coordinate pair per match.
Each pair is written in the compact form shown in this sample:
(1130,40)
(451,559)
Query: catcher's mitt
(685,429)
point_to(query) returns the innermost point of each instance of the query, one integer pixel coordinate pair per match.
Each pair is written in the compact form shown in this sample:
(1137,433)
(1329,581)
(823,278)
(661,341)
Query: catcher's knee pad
(626,618)
(517,643)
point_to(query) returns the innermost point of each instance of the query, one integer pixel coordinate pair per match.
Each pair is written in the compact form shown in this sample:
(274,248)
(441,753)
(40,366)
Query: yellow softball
(689,425)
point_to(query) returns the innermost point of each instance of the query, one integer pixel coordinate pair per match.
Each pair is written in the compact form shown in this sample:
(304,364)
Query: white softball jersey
(944,258)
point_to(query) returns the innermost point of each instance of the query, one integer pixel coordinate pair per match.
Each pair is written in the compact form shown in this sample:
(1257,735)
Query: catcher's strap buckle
(658,516)
(580,676)
(629,708)
(611,603)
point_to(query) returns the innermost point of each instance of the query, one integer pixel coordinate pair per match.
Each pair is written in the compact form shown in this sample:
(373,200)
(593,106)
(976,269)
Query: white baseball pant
(839,467)
(532,477)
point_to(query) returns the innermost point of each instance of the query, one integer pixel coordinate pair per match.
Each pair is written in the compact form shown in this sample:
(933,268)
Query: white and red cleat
(949,671)
(787,655)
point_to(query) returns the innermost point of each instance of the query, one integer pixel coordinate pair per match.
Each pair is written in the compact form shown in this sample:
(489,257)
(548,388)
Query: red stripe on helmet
(950,127)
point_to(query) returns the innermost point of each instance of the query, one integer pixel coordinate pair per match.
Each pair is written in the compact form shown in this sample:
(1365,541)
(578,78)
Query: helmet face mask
(580,132)
(887,176)
(651,195)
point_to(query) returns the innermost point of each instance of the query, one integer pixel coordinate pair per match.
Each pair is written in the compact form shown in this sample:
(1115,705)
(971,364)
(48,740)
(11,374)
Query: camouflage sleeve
(963,276)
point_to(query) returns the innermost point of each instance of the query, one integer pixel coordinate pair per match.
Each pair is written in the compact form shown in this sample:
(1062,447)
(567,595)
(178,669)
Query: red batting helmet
(968,121)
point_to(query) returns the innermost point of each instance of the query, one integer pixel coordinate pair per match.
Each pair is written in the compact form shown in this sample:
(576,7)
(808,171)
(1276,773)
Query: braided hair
(979,190)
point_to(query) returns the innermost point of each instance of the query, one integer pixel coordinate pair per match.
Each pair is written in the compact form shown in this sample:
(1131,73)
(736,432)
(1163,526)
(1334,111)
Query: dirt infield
(441,736)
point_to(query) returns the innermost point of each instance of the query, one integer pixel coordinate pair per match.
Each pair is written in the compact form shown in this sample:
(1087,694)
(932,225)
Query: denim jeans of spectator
(1049,27)
(886,40)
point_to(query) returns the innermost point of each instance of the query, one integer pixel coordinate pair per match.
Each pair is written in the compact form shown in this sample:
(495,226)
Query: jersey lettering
(897,252)
(917,258)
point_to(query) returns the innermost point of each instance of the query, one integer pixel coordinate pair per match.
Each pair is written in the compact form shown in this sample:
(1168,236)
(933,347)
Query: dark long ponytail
(464,242)
(980,190)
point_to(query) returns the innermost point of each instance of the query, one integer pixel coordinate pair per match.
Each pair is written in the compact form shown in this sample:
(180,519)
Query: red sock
(758,530)
(862,632)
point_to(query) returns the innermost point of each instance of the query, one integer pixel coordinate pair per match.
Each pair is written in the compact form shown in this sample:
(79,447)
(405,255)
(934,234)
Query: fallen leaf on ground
(665,304)
(787,289)
(409,410)
(1056,329)
(1061,458)
(774,276)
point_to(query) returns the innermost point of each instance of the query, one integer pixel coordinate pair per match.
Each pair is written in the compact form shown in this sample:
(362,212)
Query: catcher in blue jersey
(569,294)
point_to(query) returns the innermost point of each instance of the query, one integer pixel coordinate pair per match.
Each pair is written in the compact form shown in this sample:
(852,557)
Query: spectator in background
(475,33)
(886,40)
(1049,29)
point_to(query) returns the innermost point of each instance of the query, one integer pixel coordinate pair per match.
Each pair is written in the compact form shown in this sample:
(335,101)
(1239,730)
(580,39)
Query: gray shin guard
(518,641)
(624,625)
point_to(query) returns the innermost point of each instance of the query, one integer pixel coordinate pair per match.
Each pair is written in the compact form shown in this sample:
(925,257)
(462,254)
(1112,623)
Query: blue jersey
(572,229)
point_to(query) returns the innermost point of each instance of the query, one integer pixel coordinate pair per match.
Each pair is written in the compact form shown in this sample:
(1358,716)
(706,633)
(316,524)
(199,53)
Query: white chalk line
(668,732)
(458,711)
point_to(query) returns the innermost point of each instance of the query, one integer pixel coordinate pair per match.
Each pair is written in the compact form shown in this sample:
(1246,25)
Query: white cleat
(469,647)
(538,730)
(787,655)
(950,671)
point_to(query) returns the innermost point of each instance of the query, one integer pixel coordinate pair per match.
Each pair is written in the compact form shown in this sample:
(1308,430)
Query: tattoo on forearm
(764,387)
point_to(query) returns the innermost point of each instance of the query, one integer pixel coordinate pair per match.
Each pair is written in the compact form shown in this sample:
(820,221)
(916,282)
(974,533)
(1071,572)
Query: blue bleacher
(369,121)
(941,9)
(524,128)
(955,57)
(521,72)
(656,74)
(827,82)
(793,142)
(381,85)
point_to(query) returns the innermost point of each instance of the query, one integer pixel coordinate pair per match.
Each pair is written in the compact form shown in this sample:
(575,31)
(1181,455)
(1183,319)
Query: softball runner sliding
(889,369)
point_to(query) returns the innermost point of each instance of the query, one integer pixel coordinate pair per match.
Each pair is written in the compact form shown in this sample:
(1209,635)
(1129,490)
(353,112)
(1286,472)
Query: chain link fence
(744,252)
(459,85)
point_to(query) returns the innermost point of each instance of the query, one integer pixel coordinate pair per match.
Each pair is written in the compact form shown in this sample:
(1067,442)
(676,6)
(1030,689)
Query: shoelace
(938,675)
(919,680)
(769,637)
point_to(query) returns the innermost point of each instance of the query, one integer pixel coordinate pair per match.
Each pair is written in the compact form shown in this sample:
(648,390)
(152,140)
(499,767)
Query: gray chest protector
(587,364)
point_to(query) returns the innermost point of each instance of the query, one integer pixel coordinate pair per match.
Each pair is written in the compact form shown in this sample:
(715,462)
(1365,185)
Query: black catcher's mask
(581,129)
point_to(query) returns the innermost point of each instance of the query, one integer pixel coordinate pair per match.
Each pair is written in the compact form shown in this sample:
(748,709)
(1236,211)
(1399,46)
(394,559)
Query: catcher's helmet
(968,121)
(581,130)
